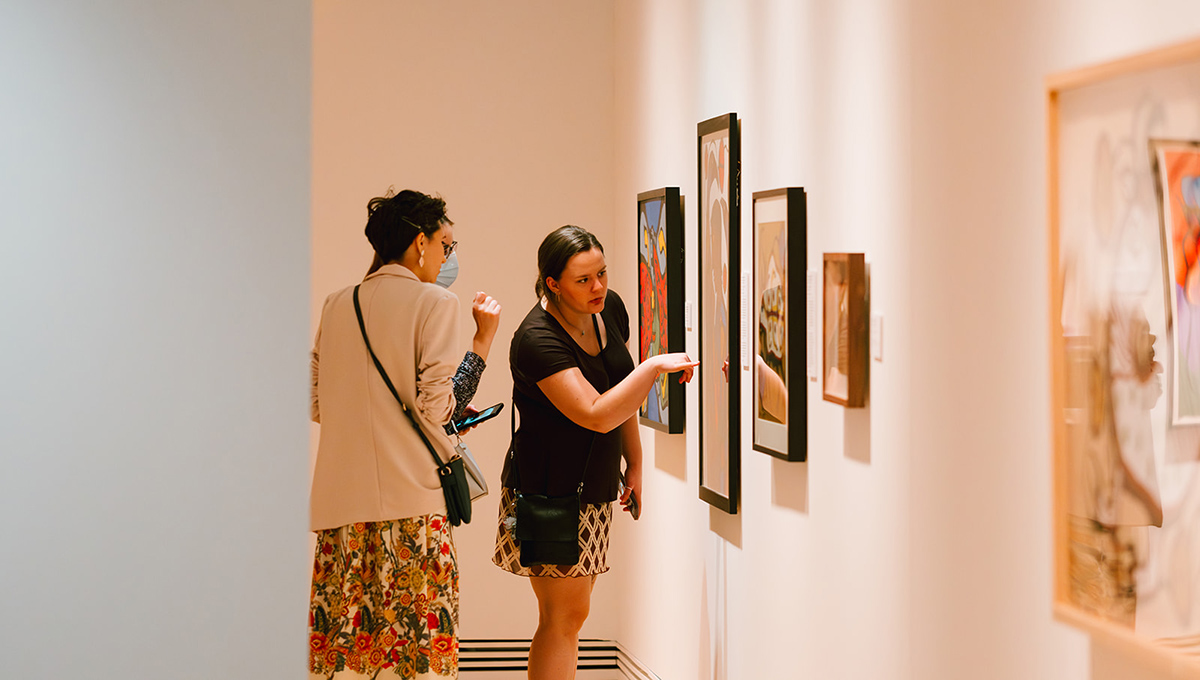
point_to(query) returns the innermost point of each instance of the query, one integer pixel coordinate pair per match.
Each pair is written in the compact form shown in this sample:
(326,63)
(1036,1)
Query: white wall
(154,259)
(814,570)
(506,110)
(915,543)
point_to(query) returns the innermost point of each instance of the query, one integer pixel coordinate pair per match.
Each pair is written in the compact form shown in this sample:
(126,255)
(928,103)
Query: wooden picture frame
(718,155)
(660,302)
(778,324)
(1126,492)
(844,331)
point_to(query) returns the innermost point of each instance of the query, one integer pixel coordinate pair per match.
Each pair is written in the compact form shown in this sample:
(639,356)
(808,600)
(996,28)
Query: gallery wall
(814,569)
(155,213)
(915,542)
(154,257)
(506,111)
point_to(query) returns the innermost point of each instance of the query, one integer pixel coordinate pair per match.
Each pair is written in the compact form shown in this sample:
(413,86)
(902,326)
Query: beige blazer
(371,464)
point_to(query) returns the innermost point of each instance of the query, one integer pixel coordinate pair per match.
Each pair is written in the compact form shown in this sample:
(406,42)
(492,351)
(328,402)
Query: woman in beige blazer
(385,577)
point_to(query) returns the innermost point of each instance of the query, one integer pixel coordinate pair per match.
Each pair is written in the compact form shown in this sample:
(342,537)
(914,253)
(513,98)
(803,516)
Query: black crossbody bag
(452,475)
(548,526)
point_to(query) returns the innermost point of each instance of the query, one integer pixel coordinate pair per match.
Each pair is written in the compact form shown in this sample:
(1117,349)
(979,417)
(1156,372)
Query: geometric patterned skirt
(385,601)
(594,524)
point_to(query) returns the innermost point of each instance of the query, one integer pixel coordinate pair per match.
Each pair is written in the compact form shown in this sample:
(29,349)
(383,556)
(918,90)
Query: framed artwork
(844,329)
(660,301)
(1176,171)
(777,321)
(1124,217)
(719,168)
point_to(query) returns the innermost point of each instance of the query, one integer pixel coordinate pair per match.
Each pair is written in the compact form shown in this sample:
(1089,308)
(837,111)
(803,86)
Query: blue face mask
(449,271)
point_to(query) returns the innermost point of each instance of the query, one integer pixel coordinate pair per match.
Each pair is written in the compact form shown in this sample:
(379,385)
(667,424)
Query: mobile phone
(635,509)
(474,419)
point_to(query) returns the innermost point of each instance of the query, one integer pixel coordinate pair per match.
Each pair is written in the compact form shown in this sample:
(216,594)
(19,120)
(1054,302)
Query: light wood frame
(1155,656)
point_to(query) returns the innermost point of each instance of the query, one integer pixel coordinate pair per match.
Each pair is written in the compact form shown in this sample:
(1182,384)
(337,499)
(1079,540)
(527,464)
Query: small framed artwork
(777,322)
(844,331)
(1176,168)
(719,167)
(660,301)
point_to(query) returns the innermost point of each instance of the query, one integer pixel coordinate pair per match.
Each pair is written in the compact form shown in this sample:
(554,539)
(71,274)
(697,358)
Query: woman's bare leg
(563,606)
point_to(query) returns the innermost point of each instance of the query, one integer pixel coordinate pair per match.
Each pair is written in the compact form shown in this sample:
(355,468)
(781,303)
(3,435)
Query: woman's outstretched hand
(675,362)
(486,311)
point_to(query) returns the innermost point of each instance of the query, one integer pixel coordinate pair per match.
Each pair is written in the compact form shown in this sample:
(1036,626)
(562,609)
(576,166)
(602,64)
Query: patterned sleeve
(466,381)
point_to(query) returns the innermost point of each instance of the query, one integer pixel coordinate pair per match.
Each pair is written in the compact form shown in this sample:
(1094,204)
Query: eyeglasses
(448,249)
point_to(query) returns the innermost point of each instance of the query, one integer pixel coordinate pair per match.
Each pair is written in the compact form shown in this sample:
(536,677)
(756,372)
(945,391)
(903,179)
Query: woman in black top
(578,391)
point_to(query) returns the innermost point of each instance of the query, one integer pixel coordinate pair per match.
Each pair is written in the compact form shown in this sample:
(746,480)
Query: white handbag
(476,484)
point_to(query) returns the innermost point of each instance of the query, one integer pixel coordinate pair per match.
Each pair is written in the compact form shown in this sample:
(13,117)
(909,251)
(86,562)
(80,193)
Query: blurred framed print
(777,319)
(1124,220)
(844,329)
(718,165)
(660,302)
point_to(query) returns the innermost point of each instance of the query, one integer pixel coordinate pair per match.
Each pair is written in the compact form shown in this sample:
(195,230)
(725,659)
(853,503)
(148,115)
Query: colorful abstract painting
(1178,177)
(660,301)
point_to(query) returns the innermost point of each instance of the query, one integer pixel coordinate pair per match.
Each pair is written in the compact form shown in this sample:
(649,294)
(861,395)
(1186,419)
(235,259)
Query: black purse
(548,526)
(452,474)
(548,529)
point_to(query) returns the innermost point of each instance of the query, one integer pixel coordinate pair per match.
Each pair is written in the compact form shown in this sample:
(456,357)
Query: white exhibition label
(877,337)
(745,314)
(811,335)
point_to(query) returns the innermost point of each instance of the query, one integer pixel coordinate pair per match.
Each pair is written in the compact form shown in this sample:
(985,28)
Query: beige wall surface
(915,542)
(505,110)
(811,578)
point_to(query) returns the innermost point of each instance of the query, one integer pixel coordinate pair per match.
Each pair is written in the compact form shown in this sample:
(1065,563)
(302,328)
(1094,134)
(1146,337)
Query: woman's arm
(436,361)
(575,397)
(466,381)
(486,312)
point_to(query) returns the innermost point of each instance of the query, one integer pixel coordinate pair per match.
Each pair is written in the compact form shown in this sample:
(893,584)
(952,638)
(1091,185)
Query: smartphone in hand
(476,418)
(635,508)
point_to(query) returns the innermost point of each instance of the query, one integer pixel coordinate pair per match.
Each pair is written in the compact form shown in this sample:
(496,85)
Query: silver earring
(421,260)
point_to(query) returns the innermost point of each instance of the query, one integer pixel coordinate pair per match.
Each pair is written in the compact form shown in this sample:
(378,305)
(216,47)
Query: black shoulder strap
(602,340)
(417,426)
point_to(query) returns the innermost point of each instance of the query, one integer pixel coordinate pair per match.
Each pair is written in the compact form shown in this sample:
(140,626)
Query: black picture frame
(779,347)
(718,155)
(660,302)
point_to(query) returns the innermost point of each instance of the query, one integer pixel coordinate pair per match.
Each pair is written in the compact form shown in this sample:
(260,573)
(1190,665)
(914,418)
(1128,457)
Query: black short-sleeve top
(548,449)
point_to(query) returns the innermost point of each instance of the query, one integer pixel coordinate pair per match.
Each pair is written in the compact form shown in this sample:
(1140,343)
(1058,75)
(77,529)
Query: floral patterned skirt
(385,601)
